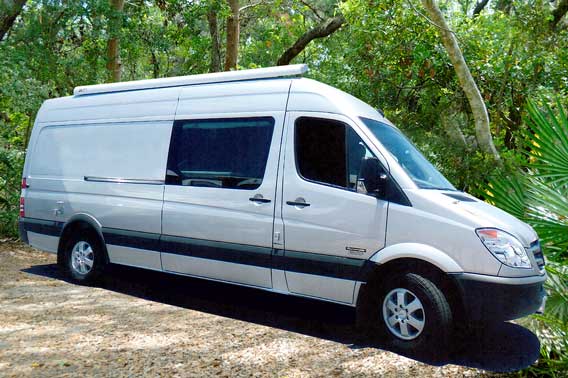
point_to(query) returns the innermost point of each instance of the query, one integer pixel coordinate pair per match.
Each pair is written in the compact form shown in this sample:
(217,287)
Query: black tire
(97,257)
(436,314)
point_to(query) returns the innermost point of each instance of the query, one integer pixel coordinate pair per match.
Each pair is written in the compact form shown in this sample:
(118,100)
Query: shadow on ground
(502,347)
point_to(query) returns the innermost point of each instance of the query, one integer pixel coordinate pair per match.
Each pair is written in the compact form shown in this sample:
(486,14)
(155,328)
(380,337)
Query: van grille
(536,250)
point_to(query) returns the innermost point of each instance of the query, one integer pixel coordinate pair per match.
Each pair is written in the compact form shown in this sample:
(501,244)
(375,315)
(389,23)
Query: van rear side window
(220,153)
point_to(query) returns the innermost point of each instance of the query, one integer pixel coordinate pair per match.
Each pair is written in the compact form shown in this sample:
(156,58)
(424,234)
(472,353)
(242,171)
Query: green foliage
(539,193)
(539,196)
(11,165)
(551,328)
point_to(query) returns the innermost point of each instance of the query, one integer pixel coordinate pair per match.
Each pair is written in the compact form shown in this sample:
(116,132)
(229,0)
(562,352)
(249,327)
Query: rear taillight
(22,201)
(22,208)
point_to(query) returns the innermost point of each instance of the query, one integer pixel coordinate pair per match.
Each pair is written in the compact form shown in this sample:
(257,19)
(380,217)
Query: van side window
(219,153)
(328,152)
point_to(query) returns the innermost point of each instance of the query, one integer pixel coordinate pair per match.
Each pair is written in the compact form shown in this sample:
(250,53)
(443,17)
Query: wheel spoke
(393,320)
(400,298)
(404,329)
(390,305)
(88,263)
(414,306)
(416,323)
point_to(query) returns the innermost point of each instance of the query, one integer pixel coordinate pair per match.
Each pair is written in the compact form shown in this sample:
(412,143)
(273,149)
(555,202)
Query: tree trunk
(113,45)
(155,65)
(559,12)
(233,26)
(504,5)
(479,6)
(324,29)
(467,83)
(9,11)
(28,130)
(451,118)
(215,64)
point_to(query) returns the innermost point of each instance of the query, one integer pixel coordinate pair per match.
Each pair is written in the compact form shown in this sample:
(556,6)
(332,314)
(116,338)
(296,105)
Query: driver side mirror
(372,178)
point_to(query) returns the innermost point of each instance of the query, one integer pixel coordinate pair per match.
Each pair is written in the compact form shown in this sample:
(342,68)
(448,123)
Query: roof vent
(217,77)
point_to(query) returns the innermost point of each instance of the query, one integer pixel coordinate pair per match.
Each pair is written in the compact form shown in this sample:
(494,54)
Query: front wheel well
(381,273)
(74,228)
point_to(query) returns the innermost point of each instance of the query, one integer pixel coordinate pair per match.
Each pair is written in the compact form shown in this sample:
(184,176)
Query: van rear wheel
(84,258)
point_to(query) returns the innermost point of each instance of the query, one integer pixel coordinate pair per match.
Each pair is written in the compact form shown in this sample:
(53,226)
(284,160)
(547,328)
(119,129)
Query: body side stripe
(293,261)
(41,226)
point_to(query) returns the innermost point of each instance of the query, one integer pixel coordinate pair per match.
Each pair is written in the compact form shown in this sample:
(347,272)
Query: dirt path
(148,323)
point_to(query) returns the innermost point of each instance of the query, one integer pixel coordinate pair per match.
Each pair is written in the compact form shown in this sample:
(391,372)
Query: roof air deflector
(217,77)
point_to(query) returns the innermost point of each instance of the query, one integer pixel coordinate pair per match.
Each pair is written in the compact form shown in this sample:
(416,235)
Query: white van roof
(264,89)
(217,77)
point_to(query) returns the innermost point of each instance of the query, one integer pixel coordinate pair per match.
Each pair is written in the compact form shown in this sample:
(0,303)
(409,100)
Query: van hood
(466,209)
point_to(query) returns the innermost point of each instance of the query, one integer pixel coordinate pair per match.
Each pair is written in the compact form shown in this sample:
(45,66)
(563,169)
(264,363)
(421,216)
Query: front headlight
(505,247)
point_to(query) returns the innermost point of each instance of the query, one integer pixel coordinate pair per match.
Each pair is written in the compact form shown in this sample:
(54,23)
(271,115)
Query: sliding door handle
(299,202)
(259,199)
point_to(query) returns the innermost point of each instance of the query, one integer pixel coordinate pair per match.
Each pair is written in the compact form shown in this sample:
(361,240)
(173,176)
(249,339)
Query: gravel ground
(151,324)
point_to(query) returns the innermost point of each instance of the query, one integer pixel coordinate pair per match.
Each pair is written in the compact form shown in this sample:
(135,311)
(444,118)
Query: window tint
(329,152)
(227,153)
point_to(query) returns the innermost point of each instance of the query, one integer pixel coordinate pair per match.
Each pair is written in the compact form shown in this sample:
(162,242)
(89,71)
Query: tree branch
(467,83)
(446,28)
(244,8)
(9,11)
(322,30)
(479,6)
(559,12)
(314,10)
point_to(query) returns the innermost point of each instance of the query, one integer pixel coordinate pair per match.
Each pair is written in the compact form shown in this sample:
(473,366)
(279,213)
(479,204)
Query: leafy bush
(11,165)
(539,196)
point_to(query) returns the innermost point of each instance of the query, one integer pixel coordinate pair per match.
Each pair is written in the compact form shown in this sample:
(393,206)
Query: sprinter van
(266,179)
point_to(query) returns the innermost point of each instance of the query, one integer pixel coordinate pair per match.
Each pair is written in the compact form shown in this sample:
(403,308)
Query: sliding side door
(219,197)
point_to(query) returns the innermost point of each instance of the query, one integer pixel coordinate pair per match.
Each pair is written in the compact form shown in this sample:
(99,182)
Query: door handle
(299,202)
(259,199)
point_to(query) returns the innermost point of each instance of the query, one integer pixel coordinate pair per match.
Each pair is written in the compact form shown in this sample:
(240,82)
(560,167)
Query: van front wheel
(414,313)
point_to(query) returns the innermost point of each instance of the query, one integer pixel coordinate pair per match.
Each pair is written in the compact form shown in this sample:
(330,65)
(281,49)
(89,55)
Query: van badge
(355,251)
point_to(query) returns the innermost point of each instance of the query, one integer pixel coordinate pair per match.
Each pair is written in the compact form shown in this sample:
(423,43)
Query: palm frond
(548,142)
(508,193)
(547,212)
(557,287)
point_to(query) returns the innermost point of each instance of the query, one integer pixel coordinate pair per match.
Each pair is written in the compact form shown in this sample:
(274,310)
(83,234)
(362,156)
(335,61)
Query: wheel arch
(417,251)
(409,257)
(75,224)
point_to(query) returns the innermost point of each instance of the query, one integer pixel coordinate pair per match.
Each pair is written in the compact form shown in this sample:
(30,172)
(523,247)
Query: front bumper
(487,298)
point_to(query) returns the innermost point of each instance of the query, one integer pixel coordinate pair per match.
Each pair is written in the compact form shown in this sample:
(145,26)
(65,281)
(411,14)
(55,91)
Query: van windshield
(420,170)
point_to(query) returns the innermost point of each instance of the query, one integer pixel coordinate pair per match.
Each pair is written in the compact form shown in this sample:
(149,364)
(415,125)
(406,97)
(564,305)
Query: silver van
(266,179)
